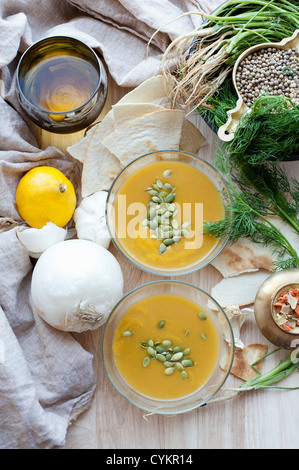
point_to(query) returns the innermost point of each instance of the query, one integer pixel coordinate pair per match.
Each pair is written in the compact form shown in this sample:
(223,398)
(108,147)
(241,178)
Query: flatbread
(124,112)
(243,256)
(100,166)
(78,149)
(191,137)
(146,134)
(239,290)
(153,90)
(243,359)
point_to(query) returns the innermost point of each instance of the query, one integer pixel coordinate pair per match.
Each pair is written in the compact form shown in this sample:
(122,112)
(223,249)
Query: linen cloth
(46,377)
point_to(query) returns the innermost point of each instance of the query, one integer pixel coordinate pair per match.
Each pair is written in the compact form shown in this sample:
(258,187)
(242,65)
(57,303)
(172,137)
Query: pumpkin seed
(175,224)
(171,207)
(152,224)
(170,197)
(156,199)
(184,233)
(161,324)
(186,225)
(177,356)
(151,213)
(127,333)
(168,364)
(163,193)
(161,211)
(202,315)
(161,358)
(146,361)
(151,343)
(176,238)
(187,363)
(159,349)
(167,173)
(184,375)
(167,235)
(156,187)
(153,192)
(162,248)
(166,343)
(168,356)
(169,370)
(203,336)
(179,366)
(186,351)
(168,241)
(168,186)
(176,349)
(151,351)
(159,184)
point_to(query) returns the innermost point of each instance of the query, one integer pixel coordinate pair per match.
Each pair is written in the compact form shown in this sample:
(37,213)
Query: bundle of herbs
(205,57)
(259,186)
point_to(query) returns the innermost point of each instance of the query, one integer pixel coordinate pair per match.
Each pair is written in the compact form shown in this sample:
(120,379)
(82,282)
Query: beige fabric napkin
(46,377)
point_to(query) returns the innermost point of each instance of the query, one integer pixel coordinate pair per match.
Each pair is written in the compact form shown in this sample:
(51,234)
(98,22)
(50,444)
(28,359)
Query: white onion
(37,240)
(90,219)
(75,285)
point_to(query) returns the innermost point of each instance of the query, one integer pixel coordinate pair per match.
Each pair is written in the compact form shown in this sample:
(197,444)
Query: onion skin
(75,285)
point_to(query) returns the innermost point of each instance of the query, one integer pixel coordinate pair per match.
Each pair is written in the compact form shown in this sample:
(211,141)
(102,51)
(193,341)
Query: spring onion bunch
(205,57)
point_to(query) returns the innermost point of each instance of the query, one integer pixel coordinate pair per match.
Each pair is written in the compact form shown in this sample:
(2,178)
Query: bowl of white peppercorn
(268,68)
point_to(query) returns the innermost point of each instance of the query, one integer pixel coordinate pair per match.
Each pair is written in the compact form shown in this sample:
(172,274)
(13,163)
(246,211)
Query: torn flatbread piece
(78,149)
(239,290)
(191,138)
(100,166)
(152,90)
(245,357)
(243,256)
(160,130)
(125,112)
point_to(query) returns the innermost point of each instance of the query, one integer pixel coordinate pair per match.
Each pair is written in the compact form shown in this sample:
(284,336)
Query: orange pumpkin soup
(159,215)
(165,346)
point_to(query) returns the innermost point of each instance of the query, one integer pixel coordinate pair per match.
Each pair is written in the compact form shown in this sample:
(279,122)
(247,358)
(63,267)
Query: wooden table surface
(255,420)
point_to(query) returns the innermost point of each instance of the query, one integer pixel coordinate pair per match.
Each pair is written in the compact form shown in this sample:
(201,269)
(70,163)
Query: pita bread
(245,357)
(127,111)
(100,166)
(239,290)
(243,256)
(78,150)
(146,134)
(191,137)
(153,90)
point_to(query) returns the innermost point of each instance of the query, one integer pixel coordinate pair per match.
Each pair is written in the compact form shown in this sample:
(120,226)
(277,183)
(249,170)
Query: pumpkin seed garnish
(187,363)
(169,370)
(167,173)
(162,212)
(172,357)
(161,324)
(146,361)
(202,315)
(127,333)
(184,375)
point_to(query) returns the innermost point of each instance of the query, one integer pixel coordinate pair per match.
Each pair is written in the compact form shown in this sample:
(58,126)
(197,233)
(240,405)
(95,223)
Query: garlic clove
(36,241)
(90,219)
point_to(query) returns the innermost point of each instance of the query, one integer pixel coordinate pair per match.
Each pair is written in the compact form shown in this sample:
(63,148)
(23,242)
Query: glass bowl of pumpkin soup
(168,347)
(156,211)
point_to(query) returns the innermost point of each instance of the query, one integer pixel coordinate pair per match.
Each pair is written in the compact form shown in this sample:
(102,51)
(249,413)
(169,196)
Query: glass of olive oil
(61,84)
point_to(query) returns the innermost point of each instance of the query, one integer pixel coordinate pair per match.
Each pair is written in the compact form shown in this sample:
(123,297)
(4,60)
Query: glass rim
(147,269)
(231,345)
(59,37)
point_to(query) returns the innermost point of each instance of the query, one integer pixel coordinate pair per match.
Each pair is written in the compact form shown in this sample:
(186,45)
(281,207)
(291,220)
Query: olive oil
(60,83)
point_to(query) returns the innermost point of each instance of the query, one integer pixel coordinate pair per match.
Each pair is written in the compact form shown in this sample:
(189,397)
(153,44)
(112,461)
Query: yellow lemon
(44,194)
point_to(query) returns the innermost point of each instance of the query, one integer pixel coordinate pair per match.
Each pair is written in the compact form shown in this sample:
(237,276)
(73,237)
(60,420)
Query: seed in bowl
(269,70)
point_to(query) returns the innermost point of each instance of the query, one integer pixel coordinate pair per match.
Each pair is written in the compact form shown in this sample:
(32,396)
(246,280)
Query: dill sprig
(258,191)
